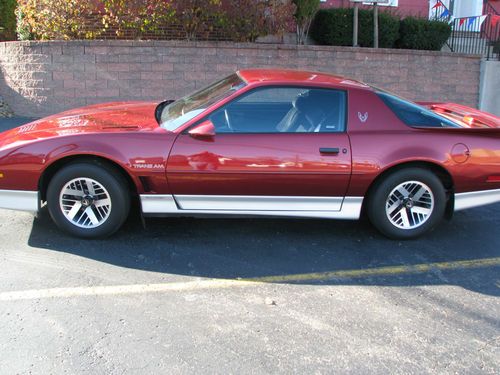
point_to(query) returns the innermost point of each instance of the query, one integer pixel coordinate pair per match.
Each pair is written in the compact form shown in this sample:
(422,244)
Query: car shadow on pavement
(254,248)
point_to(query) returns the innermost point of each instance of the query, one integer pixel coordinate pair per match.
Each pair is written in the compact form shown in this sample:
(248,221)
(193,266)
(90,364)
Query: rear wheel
(87,200)
(407,203)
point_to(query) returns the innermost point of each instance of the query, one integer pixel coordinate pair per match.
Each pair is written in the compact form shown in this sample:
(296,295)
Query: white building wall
(468,8)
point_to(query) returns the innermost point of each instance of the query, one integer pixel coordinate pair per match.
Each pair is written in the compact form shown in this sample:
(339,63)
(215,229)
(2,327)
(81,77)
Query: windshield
(413,114)
(179,112)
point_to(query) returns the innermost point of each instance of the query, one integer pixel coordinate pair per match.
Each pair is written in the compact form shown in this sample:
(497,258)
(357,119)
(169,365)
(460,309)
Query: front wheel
(87,200)
(407,203)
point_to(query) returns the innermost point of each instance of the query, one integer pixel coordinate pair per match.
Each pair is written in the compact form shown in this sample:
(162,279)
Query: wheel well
(438,170)
(47,175)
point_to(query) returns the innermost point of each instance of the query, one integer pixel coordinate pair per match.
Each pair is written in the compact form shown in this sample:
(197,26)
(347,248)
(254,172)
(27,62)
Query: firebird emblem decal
(363,117)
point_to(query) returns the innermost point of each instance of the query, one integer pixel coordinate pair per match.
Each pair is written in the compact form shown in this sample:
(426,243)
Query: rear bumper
(476,199)
(20,200)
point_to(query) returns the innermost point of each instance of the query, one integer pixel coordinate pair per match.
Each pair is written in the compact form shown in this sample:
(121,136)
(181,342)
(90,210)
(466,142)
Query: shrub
(419,33)
(246,20)
(7,19)
(58,19)
(335,27)
(136,16)
(23,29)
(196,16)
(240,20)
(280,16)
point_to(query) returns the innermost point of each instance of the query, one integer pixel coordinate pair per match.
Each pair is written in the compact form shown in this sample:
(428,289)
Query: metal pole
(355,26)
(375,25)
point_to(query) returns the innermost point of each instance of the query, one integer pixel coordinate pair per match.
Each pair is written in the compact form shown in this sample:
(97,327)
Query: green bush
(7,19)
(335,27)
(420,33)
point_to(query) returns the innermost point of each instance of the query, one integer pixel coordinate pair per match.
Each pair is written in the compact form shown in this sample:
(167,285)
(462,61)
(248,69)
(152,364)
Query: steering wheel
(228,121)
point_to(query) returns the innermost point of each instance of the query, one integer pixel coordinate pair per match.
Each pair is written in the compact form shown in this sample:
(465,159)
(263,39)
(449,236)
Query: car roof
(297,76)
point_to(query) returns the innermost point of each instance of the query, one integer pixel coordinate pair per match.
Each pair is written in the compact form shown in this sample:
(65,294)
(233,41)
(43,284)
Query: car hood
(101,118)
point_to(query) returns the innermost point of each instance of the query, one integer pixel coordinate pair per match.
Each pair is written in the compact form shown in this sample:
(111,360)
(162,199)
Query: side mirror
(205,130)
(159,109)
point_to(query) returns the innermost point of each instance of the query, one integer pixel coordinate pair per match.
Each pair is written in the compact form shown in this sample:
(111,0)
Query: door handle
(329,150)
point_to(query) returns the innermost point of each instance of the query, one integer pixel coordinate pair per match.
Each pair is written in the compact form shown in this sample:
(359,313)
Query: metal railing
(476,35)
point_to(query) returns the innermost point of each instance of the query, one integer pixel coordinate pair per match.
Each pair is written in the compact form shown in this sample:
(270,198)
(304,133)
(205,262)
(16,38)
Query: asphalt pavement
(250,296)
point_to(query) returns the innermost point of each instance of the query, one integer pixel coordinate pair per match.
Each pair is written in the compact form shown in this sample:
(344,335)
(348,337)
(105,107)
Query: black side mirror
(159,109)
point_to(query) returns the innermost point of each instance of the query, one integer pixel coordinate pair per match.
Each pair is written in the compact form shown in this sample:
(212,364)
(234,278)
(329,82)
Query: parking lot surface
(250,296)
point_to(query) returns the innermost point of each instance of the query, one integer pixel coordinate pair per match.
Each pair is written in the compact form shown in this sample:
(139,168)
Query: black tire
(378,201)
(115,186)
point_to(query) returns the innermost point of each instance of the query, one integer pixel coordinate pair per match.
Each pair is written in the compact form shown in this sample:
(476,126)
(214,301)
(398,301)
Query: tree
(304,15)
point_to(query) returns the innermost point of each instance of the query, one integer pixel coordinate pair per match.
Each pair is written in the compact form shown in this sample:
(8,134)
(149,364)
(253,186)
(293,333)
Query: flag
(445,13)
(471,21)
(494,20)
(438,5)
(482,18)
(462,21)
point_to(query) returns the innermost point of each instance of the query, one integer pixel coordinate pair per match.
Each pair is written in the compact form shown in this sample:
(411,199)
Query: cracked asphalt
(194,296)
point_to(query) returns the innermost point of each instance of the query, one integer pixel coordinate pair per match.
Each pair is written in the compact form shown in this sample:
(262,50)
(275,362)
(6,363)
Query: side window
(283,110)
(413,114)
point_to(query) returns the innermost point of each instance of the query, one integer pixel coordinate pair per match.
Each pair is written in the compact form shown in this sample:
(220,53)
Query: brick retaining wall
(41,78)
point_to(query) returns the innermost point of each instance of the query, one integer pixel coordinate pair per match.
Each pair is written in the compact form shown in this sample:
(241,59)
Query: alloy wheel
(409,205)
(85,203)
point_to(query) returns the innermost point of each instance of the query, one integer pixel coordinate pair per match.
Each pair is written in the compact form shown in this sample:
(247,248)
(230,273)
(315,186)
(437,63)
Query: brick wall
(41,78)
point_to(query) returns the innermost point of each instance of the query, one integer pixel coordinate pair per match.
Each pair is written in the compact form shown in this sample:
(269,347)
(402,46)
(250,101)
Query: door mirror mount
(159,109)
(204,131)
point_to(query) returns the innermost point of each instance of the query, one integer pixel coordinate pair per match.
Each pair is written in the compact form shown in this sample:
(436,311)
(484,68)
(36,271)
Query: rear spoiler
(466,116)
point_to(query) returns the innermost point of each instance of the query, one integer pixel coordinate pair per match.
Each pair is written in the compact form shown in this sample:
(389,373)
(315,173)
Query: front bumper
(20,200)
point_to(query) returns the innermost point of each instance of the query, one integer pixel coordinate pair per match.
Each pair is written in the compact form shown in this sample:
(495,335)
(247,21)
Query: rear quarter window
(413,114)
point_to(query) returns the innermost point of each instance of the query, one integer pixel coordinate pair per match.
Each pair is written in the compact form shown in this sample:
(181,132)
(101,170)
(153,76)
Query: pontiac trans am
(258,142)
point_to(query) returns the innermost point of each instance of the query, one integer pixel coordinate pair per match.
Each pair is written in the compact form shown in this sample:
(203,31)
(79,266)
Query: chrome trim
(350,209)
(20,200)
(258,203)
(476,199)
(158,204)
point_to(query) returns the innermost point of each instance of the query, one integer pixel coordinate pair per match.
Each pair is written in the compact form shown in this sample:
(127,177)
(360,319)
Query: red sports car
(259,142)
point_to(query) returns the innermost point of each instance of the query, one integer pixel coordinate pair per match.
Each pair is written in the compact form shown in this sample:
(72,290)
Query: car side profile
(262,143)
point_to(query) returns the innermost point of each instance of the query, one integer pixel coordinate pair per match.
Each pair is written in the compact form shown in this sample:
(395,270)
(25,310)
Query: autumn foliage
(239,20)
(57,19)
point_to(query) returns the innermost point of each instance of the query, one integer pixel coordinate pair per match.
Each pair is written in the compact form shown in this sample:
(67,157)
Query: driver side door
(274,148)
